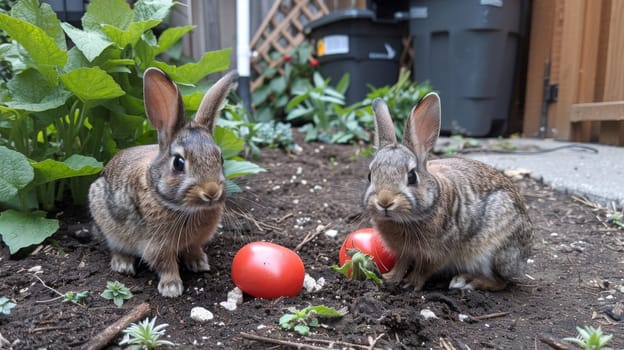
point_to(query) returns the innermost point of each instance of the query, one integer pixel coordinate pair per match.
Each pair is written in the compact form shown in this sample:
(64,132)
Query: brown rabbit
(163,202)
(453,216)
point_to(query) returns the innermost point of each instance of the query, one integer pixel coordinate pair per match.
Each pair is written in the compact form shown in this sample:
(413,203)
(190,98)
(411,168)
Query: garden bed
(575,276)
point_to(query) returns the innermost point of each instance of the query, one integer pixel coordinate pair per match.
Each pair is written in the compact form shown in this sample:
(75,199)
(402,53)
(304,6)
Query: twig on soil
(279,221)
(60,295)
(488,316)
(310,236)
(553,342)
(103,338)
(331,343)
(281,342)
(446,345)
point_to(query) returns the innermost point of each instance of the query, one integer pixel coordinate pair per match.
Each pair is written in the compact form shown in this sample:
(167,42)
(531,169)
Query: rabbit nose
(211,191)
(384,201)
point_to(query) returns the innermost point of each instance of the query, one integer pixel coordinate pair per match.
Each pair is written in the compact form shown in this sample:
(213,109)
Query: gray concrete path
(598,176)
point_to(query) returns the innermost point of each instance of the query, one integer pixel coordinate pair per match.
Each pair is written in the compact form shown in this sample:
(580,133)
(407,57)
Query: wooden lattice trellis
(281,31)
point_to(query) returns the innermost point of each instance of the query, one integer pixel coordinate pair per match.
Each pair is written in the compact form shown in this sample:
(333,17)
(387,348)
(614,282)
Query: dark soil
(575,276)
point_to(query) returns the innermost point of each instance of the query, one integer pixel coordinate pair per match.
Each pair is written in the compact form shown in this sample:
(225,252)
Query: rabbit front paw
(170,286)
(460,282)
(122,263)
(471,281)
(197,261)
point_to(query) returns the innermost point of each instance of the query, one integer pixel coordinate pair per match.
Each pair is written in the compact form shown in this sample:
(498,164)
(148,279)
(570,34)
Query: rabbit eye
(412,177)
(178,163)
(369,176)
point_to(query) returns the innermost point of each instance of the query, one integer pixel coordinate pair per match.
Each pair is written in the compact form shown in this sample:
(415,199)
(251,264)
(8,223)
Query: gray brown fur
(460,217)
(144,207)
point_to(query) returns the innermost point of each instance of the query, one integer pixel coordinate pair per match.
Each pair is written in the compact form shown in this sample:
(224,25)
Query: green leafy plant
(301,320)
(117,292)
(361,267)
(284,78)
(74,297)
(66,111)
(145,335)
(615,219)
(6,305)
(400,98)
(590,338)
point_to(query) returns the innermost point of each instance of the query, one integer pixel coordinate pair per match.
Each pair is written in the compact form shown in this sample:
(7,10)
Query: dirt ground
(575,278)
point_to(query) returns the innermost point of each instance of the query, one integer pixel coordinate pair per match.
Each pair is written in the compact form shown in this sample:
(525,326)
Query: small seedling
(361,267)
(116,292)
(301,320)
(616,219)
(145,335)
(75,297)
(590,338)
(6,305)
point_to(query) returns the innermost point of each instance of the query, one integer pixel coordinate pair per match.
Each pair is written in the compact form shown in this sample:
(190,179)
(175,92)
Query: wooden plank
(542,25)
(613,132)
(589,65)
(572,35)
(597,111)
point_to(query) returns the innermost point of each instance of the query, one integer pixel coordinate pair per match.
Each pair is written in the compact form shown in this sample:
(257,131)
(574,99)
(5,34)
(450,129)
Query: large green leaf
(43,17)
(236,168)
(131,35)
(230,144)
(15,174)
(171,36)
(116,13)
(77,165)
(90,43)
(191,73)
(91,84)
(30,91)
(43,51)
(152,9)
(20,230)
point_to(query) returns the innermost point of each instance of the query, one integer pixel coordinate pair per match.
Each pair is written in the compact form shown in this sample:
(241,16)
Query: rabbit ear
(423,126)
(163,104)
(384,129)
(214,98)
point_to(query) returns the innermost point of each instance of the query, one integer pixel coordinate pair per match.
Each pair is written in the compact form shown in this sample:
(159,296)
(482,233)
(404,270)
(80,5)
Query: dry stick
(281,342)
(331,343)
(310,236)
(553,342)
(103,338)
(488,316)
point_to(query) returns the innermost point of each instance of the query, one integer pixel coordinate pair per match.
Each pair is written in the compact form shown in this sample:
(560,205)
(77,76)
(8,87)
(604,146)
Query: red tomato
(368,241)
(268,270)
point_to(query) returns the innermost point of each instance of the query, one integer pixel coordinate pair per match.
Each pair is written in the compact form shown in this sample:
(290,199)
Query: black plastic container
(353,41)
(467,49)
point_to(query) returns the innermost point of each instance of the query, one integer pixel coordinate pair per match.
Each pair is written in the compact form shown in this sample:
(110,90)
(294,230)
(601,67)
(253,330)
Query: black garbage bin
(467,50)
(354,41)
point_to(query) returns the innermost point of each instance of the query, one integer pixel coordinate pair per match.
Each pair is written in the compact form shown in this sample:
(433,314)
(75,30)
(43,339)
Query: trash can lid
(338,16)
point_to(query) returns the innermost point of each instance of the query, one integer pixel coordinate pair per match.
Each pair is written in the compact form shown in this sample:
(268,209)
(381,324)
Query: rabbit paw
(123,264)
(197,262)
(170,286)
(460,282)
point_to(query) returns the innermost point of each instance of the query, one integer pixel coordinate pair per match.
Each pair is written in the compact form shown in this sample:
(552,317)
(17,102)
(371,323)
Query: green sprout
(361,267)
(590,338)
(616,219)
(75,297)
(6,305)
(116,292)
(145,335)
(301,320)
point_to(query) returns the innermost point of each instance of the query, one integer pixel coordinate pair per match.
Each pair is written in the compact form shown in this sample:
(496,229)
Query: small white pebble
(317,187)
(554,234)
(312,285)
(331,233)
(35,269)
(304,182)
(23,290)
(530,261)
(601,299)
(299,170)
(235,295)
(201,314)
(487,325)
(463,317)
(228,305)
(609,297)
(295,201)
(261,326)
(427,314)
(276,187)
